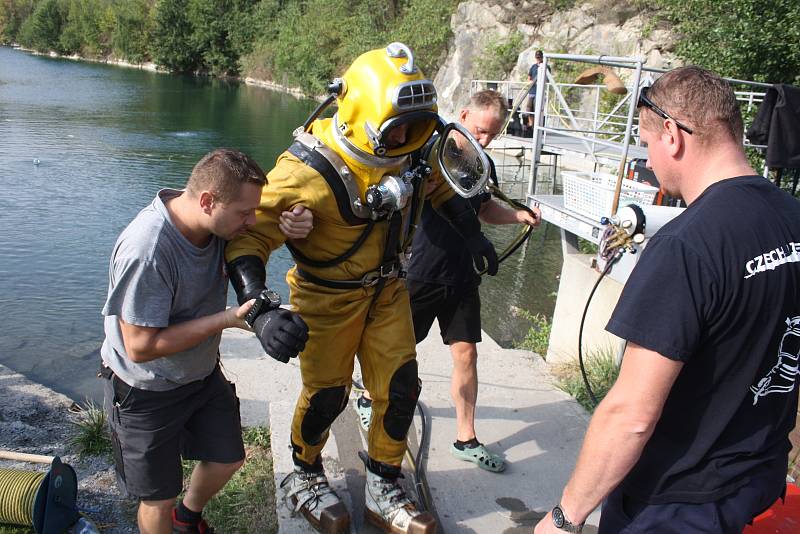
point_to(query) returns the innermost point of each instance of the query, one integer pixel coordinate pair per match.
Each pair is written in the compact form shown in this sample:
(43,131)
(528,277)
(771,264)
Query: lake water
(84,146)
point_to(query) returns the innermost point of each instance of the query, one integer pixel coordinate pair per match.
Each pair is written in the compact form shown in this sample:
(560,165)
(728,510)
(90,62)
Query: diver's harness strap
(311,151)
(338,259)
(390,268)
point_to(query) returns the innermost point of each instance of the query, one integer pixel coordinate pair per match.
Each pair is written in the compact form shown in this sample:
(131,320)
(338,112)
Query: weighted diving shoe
(391,510)
(308,492)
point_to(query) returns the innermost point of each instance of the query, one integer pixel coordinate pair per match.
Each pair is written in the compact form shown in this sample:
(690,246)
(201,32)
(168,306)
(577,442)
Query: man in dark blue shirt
(693,437)
(443,285)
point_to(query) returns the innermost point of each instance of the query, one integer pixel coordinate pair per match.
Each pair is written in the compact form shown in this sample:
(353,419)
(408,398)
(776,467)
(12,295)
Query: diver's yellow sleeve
(293,182)
(289,183)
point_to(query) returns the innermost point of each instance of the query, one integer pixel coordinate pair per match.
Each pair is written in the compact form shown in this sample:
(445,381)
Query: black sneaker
(179,527)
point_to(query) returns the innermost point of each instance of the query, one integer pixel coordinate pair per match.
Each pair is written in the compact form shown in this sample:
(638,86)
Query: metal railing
(579,113)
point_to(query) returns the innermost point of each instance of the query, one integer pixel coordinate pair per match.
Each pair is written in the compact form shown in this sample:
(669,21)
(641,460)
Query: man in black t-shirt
(693,437)
(443,285)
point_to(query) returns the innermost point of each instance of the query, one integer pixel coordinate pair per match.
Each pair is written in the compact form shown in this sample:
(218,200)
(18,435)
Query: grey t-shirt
(158,278)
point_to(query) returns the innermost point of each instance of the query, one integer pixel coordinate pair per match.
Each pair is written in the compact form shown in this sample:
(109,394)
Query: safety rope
(17,494)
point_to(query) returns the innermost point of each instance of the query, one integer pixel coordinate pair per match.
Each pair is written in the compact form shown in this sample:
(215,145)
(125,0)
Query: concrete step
(520,414)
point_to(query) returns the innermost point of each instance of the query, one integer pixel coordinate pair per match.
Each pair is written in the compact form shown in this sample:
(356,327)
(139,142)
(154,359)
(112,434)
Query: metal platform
(554,212)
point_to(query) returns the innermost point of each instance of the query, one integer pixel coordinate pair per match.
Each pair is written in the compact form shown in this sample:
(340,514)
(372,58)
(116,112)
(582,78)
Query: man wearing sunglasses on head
(693,436)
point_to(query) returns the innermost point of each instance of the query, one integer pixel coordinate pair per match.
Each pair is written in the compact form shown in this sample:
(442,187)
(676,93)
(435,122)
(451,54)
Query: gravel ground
(36,420)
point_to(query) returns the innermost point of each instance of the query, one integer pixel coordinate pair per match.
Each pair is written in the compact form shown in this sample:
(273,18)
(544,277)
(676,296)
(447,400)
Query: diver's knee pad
(323,409)
(404,389)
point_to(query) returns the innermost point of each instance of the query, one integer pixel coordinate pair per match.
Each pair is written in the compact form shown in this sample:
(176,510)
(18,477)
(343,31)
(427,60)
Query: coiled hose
(17,494)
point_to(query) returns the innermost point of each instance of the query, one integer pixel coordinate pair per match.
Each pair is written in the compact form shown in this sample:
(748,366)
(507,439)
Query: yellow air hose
(17,494)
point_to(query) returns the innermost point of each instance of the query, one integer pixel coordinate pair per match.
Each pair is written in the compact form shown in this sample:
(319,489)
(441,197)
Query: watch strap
(565,523)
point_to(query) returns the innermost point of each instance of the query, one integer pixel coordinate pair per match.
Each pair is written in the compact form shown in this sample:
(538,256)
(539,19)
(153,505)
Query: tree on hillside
(172,37)
(84,29)
(745,39)
(132,28)
(210,37)
(12,14)
(42,30)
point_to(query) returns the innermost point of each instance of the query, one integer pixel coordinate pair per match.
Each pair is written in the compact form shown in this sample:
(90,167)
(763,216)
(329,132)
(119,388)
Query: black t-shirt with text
(718,288)
(438,253)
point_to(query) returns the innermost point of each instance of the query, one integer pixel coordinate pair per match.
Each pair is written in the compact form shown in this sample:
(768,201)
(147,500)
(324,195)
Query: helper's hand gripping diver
(282,333)
(464,220)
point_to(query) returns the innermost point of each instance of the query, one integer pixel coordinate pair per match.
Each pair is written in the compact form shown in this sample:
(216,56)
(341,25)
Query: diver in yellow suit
(354,172)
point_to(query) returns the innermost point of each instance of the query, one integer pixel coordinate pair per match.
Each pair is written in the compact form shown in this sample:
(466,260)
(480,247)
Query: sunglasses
(646,102)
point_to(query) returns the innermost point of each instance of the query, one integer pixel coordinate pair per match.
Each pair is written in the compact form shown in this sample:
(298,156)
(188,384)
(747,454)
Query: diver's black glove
(481,248)
(459,213)
(282,333)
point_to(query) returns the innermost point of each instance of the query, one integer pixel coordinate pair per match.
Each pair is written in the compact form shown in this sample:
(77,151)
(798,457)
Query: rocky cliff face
(607,27)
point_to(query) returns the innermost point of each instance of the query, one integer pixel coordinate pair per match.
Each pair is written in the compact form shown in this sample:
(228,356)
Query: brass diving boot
(308,493)
(391,510)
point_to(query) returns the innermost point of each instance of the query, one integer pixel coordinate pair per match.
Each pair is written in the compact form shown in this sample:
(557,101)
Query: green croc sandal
(364,409)
(481,457)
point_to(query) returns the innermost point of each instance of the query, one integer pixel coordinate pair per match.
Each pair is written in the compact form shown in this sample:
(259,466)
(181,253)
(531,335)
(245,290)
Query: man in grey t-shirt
(165,394)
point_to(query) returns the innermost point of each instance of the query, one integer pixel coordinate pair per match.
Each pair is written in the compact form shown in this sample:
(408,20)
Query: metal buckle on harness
(387,270)
(370,279)
(392,270)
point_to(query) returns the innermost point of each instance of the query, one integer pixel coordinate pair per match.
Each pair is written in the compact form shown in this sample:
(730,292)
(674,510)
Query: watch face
(272,298)
(558,517)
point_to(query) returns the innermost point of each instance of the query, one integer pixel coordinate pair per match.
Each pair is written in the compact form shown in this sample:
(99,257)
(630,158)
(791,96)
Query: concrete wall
(577,280)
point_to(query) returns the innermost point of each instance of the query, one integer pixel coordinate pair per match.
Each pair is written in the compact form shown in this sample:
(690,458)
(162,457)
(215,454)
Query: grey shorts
(152,430)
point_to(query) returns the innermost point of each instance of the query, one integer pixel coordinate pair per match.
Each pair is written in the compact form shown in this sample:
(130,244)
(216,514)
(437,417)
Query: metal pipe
(626,142)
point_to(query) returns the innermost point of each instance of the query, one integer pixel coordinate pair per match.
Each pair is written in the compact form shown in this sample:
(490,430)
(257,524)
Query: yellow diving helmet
(386,107)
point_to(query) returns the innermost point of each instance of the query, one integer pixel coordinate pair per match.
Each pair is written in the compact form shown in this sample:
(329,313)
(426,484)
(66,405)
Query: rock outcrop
(607,27)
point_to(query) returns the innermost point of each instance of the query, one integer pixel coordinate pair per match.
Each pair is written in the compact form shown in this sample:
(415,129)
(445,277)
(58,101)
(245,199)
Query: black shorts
(458,310)
(152,430)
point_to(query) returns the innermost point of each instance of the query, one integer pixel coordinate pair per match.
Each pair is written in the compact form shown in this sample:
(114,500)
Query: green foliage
(304,30)
(299,43)
(171,45)
(130,36)
(247,502)
(744,39)
(560,5)
(288,51)
(12,14)
(602,371)
(209,37)
(500,56)
(86,28)
(538,336)
(586,247)
(425,27)
(92,435)
(42,30)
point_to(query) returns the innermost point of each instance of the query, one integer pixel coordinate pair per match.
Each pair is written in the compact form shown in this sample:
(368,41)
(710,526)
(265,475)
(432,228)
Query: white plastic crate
(592,193)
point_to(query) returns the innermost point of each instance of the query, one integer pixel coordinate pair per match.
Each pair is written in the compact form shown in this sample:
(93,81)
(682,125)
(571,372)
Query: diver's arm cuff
(248,277)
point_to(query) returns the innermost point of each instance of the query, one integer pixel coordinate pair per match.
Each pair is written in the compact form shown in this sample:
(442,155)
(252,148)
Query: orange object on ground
(781,518)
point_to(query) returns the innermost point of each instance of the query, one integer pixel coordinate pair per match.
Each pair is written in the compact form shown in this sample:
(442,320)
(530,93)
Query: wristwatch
(265,301)
(562,523)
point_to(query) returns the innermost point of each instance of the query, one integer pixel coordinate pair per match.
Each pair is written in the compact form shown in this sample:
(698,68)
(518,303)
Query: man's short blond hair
(699,98)
(222,172)
(489,99)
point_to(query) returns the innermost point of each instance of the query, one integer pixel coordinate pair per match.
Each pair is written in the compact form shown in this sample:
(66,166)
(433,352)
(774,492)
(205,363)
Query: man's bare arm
(618,431)
(143,343)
